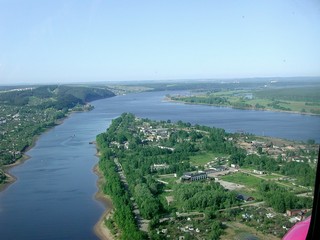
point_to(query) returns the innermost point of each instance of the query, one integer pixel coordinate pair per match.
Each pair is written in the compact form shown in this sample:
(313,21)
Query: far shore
(252,109)
(100,229)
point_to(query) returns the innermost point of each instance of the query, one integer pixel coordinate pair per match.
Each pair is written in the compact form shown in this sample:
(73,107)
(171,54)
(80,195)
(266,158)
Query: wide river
(53,197)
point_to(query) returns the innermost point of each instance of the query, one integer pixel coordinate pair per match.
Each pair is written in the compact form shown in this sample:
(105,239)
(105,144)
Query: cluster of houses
(257,147)
(189,228)
(9,117)
(154,134)
(125,145)
(186,229)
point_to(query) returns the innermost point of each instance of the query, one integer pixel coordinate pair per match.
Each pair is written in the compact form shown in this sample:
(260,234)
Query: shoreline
(252,109)
(100,229)
(11,178)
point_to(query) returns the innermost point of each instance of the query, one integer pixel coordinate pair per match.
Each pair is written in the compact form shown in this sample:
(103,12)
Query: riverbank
(100,229)
(11,178)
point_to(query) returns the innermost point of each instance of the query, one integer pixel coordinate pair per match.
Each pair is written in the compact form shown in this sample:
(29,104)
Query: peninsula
(175,180)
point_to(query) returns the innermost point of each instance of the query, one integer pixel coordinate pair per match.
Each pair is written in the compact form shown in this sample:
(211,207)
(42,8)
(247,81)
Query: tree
(216,230)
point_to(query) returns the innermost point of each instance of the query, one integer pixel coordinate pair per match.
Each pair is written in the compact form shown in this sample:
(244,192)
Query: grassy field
(171,181)
(204,158)
(272,176)
(244,179)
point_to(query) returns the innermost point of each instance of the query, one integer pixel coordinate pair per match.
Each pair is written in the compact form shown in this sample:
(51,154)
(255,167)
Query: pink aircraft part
(298,231)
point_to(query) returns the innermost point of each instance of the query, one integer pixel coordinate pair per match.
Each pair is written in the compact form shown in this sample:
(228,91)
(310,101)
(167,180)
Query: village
(251,210)
(18,126)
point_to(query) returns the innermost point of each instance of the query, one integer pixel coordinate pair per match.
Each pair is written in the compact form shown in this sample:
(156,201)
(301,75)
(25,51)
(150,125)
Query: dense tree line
(85,94)
(280,199)
(123,216)
(302,171)
(212,100)
(149,205)
(64,96)
(200,196)
(263,163)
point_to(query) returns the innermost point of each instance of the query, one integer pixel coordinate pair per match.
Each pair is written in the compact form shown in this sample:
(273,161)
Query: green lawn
(204,158)
(244,179)
(271,176)
(170,180)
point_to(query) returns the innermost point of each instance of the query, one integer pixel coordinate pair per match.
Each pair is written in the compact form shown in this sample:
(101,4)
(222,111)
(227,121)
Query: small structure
(235,166)
(194,176)
(156,167)
(296,212)
(259,172)
(219,168)
(209,170)
(244,197)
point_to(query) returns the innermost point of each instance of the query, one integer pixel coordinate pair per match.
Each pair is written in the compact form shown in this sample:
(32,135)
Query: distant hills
(56,96)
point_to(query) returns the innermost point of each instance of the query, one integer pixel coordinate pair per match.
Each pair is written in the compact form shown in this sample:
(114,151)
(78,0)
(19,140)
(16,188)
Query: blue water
(53,197)
(276,124)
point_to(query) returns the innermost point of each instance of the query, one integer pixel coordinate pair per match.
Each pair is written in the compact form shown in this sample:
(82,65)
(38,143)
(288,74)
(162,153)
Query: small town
(241,167)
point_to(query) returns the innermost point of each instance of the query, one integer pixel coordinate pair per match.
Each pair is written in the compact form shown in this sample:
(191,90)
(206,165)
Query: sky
(62,41)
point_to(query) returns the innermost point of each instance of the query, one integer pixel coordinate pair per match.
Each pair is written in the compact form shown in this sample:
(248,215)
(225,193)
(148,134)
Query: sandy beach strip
(100,229)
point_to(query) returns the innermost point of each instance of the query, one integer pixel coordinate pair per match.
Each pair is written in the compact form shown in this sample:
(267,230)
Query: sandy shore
(100,228)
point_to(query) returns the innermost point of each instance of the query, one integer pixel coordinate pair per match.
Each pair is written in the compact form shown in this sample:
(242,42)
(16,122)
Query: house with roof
(244,197)
(194,176)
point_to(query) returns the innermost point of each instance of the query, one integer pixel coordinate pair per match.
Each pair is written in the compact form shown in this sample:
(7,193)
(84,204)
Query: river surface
(53,197)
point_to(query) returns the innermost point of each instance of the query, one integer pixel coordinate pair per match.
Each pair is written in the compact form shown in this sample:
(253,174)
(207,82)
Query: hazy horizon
(137,81)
